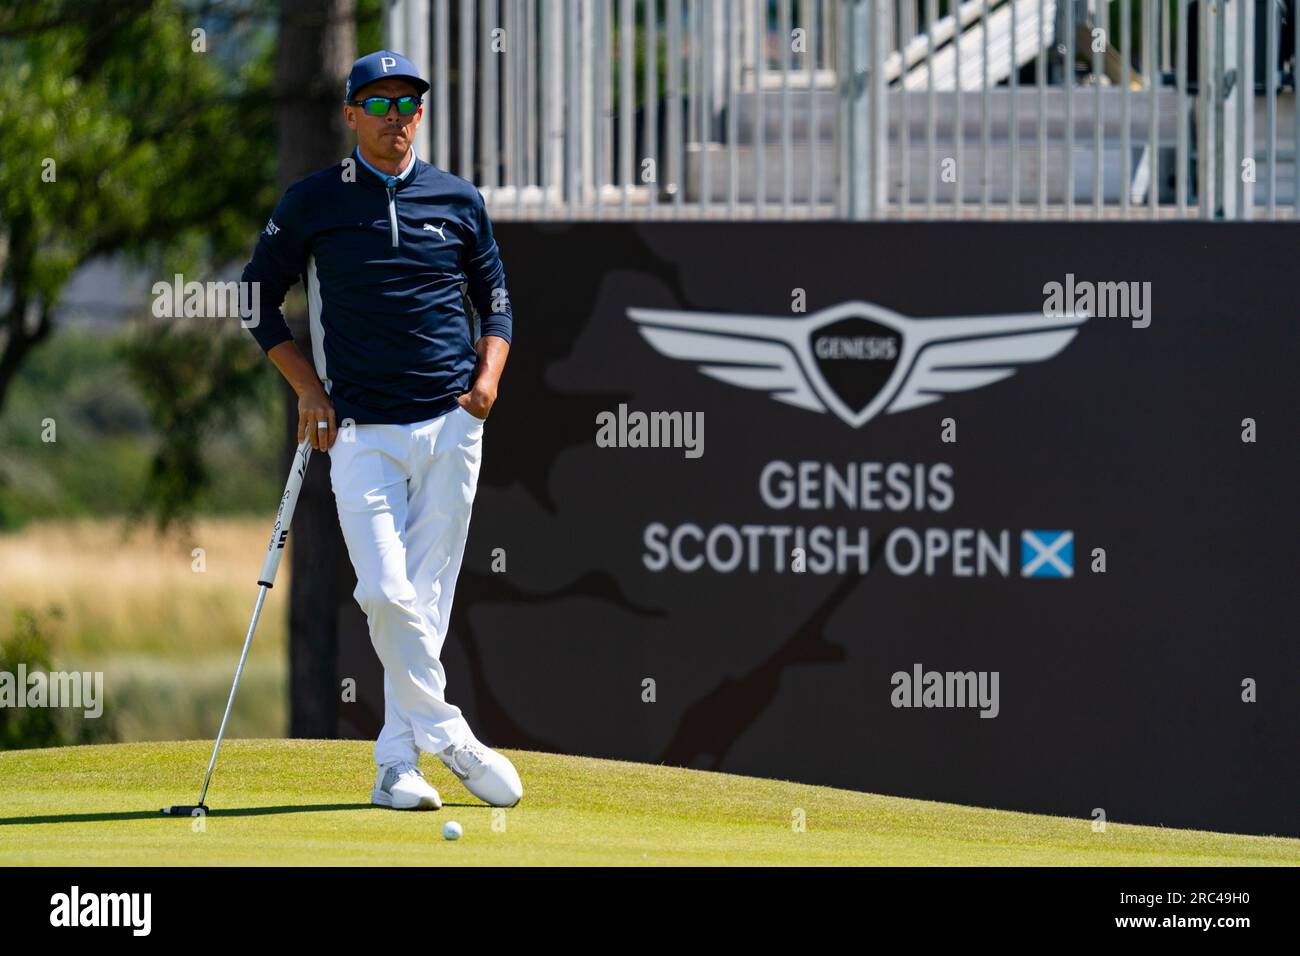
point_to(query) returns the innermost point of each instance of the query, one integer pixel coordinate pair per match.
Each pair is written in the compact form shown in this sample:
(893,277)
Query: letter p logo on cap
(380,65)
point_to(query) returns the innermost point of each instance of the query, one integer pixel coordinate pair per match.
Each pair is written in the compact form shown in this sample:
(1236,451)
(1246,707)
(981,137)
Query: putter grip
(284,517)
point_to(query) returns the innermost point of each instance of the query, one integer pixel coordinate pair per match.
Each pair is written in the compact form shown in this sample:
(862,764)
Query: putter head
(185,810)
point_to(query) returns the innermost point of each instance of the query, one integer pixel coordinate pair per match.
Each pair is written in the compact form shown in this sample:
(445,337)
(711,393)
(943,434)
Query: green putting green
(306,802)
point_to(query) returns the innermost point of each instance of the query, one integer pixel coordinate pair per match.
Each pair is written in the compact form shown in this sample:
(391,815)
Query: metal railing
(862,109)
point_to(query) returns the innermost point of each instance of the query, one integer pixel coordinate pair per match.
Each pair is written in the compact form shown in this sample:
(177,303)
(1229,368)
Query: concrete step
(1084,107)
(801,114)
(972,172)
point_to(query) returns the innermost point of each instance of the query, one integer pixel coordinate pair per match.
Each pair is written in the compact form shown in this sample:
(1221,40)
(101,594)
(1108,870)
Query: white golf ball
(451,830)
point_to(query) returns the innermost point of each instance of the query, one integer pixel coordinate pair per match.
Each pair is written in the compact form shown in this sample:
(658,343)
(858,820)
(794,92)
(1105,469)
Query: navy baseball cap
(382,65)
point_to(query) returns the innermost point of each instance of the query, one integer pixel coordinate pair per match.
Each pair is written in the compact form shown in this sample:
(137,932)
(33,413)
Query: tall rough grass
(144,593)
(165,624)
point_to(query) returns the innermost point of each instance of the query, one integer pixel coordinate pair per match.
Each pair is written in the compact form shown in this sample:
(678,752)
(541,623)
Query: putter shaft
(265,580)
(248,641)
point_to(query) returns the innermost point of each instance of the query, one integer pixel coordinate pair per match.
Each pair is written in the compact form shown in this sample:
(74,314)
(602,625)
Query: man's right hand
(314,406)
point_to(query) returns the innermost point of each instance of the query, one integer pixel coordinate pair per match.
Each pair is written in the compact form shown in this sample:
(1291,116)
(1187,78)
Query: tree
(118,120)
(317,46)
(128,132)
(118,141)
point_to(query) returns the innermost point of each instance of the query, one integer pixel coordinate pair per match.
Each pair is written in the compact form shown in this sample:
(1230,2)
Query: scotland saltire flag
(1047,554)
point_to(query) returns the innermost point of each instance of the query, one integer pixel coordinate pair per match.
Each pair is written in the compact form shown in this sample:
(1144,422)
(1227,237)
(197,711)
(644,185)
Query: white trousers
(404,494)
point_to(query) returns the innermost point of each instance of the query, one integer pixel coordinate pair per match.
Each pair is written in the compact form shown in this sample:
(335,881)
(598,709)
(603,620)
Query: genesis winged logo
(856,359)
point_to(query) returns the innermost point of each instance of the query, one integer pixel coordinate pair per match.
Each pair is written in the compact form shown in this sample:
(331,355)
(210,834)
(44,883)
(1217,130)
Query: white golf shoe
(401,786)
(488,775)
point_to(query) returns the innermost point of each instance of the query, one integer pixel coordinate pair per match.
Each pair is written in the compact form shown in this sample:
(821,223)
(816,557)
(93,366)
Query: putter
(279,535)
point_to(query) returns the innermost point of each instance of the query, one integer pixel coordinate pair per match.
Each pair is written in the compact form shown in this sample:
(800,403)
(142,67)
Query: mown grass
(296,802)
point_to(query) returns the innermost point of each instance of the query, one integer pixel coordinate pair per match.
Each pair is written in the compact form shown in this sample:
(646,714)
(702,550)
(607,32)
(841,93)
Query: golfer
(387,246)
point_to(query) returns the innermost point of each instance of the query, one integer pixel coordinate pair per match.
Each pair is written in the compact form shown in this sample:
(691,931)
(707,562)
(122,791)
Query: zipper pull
(392,209)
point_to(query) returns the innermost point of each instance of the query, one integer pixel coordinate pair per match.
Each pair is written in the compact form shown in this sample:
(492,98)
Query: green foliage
(370,26)
(180,370)
(106,440)
(637,29)
(143,699)
(31,645)
(154,146)
(26,726)
(127,133)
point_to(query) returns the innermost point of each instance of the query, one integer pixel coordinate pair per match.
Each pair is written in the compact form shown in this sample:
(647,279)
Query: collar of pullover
(384,178)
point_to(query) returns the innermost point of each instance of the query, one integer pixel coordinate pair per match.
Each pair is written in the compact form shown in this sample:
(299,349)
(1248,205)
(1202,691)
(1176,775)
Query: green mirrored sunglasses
(379,105)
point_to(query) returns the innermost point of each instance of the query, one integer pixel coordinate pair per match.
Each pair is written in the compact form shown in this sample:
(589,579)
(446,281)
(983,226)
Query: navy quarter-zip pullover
(385,261)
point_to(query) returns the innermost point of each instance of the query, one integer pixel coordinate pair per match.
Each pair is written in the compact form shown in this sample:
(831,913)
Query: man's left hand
(478,401)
